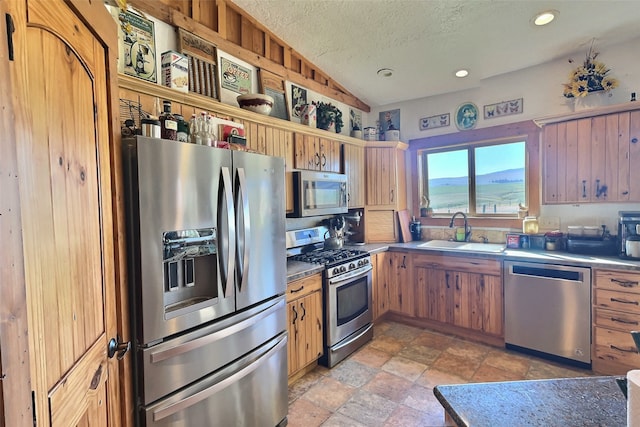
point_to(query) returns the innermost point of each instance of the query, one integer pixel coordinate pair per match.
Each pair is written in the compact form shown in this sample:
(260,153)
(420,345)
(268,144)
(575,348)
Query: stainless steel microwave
(319,193)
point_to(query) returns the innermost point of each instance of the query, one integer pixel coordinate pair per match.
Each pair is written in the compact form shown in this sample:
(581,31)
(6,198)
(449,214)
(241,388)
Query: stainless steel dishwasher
(548,311)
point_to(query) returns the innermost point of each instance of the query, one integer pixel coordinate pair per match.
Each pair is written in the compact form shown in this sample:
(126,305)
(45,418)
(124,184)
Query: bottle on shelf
(168,123)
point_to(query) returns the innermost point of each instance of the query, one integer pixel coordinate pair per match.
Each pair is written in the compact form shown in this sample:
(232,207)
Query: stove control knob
(352,266)
(365,261)
(336,270)
(343,269)
(360,263)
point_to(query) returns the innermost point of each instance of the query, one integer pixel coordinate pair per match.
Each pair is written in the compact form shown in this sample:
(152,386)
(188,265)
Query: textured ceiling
(426,41)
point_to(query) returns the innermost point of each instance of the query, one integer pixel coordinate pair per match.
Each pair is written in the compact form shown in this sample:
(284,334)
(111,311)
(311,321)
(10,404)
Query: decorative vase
(595,99)
(356,134)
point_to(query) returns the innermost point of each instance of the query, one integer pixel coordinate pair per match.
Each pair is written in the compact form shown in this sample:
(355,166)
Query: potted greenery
(329,116)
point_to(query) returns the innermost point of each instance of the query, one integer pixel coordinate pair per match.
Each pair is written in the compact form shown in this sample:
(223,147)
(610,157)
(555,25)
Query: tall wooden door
(63,130)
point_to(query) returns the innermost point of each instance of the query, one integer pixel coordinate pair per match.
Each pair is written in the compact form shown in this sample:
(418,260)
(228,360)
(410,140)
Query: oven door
(348,304)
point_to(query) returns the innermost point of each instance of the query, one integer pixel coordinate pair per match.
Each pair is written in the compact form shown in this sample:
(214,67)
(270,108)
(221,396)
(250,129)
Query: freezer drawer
(178,362)
(244,393)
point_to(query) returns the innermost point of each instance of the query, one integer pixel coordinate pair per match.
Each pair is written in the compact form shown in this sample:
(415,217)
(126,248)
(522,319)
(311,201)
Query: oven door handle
(351,275)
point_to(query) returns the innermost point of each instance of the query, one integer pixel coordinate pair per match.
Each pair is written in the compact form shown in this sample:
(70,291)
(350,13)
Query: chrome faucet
(467,227)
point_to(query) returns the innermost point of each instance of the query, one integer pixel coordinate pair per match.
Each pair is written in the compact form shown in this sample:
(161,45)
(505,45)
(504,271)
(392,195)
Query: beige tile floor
(390,381)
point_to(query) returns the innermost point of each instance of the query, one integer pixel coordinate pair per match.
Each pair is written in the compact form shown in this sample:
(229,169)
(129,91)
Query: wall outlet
(549,222)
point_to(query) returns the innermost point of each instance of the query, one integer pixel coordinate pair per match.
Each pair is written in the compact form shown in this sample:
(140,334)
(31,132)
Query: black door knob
(117,347)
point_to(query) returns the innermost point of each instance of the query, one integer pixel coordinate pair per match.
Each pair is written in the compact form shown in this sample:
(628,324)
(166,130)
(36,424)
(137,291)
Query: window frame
(471,170)
(526,131)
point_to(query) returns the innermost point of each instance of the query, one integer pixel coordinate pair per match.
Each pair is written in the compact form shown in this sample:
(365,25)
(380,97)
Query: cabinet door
(280,144)
(492,304)
(311,320)
(307,152)
(293,328)
(461,283)
(353,167)
(381,176)
(401,288)
(380,226)
(329,151)
(633,139)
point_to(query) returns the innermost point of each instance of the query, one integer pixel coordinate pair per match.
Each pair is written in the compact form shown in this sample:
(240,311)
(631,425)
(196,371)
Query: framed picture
(298,99)
(389,120)
(466,116)
(432,122)
(355,119)
(137,46)
(203,64)
(505,108)
(273,85)
(235,77)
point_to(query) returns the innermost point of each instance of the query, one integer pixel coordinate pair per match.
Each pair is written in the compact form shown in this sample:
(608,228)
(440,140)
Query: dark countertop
(589,401)
(297,270)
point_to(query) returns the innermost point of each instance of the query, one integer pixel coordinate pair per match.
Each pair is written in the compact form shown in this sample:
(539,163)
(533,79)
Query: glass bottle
(183,129)
(168,123)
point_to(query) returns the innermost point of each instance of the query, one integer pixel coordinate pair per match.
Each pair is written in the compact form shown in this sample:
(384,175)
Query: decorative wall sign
(389,120)
(298,100)
(137,44)
(203,60)
(432,122)
(505,108)
(466,116)
(273,85)
(235,77)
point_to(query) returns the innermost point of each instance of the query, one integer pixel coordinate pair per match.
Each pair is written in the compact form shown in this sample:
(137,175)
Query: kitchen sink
(462,246)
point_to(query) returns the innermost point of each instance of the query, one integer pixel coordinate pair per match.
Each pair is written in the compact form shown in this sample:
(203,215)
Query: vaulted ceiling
(425,41)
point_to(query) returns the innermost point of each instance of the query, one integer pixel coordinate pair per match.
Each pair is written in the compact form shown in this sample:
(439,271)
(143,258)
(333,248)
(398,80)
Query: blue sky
(488,159)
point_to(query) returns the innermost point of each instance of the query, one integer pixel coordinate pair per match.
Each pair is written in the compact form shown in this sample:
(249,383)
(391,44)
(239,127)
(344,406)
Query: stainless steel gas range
(347,302)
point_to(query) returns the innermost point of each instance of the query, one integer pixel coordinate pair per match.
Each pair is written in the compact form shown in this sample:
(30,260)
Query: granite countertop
(589,401)
(297,270)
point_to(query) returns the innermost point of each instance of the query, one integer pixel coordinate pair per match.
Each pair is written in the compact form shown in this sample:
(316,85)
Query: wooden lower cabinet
(401,287)
(616,312)
(463,292)
(305,324)
(380,280)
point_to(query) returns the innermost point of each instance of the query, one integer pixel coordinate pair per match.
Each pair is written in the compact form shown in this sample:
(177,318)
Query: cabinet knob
(634,140)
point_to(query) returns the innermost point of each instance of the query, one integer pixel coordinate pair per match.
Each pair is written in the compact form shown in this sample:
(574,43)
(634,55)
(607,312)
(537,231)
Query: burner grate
(330,256)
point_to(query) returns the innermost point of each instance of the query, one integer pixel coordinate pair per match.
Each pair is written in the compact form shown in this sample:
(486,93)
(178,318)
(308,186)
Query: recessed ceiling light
(543,18)
(462,73)
(385,72)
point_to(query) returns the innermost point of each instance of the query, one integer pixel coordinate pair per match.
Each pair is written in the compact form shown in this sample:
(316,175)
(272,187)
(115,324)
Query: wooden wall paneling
(634,156)
(611,157)
(258,41)
(585,183)
(571,164)
(623,158)
(222,18)
(273,63)
(15,386)
(598,152)
(234,27)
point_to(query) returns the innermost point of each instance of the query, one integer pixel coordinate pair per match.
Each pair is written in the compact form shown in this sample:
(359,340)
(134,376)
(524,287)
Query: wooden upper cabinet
(316,153)
(591,159)
(385,177)
(353,167)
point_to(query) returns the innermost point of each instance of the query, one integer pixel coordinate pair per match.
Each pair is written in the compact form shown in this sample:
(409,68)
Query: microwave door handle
(243,215)
(228,232)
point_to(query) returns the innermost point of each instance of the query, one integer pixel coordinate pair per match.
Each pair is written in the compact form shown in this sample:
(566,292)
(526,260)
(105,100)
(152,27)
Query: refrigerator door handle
(244,227)
(227,233)
(185,403)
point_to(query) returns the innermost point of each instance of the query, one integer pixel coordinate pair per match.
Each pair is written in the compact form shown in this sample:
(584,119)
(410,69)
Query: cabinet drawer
(617,347)
(450,262)
(621,301)
(304,286)
(627,281)
(617,320)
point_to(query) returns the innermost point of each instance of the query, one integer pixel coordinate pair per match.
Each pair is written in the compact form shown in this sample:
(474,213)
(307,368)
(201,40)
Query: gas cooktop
(330,256)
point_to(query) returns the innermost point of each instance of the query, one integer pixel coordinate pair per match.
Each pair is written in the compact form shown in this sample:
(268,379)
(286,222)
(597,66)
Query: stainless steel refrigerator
(207,278)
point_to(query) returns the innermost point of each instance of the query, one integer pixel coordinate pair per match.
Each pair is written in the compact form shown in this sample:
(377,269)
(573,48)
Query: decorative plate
(466,116)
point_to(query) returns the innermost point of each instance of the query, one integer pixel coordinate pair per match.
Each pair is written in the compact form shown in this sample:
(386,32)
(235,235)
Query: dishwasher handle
(547,273)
